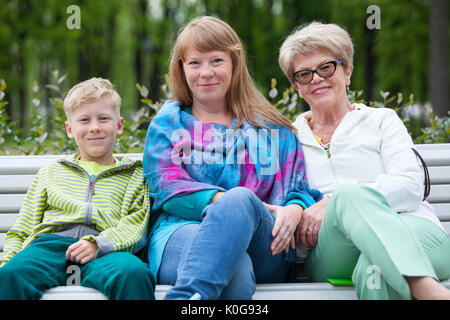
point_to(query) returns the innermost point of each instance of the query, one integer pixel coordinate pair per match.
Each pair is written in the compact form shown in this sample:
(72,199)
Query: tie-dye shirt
(182,155)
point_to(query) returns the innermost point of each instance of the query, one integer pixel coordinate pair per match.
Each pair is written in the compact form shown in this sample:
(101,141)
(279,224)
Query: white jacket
(371,146)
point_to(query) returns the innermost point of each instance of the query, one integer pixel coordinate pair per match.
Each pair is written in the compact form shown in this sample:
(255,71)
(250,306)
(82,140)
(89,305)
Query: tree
(439,55)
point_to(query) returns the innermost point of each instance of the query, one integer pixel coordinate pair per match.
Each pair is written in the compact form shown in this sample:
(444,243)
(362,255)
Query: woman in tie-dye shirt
(226,174)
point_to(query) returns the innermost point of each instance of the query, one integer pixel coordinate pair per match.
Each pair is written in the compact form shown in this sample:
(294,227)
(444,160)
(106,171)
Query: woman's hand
(82,251)
(286,220)
(308,229)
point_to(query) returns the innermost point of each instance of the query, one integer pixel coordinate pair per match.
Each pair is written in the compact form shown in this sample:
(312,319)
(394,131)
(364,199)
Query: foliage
(7,131)
(129,42)
(437,132)
(46,136)
(49,137)
(424,128)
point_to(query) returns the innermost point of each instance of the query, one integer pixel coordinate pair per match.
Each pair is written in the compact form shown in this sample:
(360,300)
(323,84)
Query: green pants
(362,238)
(43,265)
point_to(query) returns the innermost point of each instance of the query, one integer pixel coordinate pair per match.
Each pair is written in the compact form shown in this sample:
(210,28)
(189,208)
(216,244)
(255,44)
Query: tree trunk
(439,68)
(140,46)
(23,11)
(369,77)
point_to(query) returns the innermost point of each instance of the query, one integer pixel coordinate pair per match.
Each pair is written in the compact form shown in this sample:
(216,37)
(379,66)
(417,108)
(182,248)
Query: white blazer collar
(305,134)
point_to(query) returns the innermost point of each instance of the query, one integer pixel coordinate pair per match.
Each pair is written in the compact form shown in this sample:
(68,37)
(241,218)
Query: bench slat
(285,291)
(73,293)
(435,154)
(436,147)
(15,183)
(7,217)
(7,221)
(442,211)
(11,202)
(25,165)
(440,193)
(439,175)
(19,183)
(3,235)
(31,164)
(2,240)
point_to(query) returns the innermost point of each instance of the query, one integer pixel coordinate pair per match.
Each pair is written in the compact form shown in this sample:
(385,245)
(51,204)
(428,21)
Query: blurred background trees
(129,41)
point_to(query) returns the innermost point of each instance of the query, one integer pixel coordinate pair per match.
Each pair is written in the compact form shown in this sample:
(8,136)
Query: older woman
(211,158)
(372,226)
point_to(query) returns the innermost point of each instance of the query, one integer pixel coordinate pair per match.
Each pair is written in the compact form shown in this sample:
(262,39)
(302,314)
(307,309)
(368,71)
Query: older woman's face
(320,91)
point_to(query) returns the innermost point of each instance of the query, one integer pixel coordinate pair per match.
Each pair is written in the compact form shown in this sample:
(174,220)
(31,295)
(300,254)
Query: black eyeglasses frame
(334,62)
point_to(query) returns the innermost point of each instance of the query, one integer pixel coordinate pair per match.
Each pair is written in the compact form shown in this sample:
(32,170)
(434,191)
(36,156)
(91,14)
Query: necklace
(325,146)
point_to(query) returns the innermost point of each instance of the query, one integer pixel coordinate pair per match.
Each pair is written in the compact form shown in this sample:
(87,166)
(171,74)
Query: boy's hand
(82,251)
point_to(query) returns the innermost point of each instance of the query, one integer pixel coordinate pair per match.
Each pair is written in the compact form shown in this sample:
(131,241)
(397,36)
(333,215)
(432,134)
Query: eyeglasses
(325,70)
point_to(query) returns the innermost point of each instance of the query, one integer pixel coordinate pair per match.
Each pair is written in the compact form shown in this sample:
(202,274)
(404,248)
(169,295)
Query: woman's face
(322,92)
(208,75)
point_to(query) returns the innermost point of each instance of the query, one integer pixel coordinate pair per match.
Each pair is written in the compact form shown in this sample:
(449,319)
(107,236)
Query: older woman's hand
(308,229)
(286,220)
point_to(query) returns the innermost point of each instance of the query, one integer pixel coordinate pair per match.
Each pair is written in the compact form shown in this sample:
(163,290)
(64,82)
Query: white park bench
(17,173)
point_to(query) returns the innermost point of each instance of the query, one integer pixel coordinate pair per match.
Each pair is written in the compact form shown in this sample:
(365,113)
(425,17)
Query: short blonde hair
(207,33)
(89,91)
(313,36)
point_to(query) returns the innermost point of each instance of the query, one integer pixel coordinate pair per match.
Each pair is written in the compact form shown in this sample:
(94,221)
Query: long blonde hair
(246,102)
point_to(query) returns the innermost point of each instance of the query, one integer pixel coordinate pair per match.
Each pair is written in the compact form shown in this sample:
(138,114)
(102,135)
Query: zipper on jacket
(333,170)
(91,188)
(92,181)
(330,162)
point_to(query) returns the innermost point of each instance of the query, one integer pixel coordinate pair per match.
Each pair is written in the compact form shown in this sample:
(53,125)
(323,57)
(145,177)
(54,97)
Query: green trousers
(43,265)
(362,238)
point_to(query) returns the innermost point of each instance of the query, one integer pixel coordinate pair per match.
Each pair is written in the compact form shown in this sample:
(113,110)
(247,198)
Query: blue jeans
(242,284)
(225,255)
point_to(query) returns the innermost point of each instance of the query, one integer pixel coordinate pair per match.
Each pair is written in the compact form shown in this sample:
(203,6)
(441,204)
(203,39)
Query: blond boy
(91,211)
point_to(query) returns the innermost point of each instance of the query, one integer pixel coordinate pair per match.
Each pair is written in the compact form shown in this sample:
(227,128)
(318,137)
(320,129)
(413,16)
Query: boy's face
(95,127)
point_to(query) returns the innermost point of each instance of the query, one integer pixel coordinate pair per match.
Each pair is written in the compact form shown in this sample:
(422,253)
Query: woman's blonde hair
(89,91)
(313,36)
(246,102)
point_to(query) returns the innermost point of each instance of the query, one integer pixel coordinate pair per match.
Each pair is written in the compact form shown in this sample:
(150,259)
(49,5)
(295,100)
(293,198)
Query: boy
(91,211)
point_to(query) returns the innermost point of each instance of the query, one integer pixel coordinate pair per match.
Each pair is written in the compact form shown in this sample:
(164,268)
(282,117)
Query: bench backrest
(17,173)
